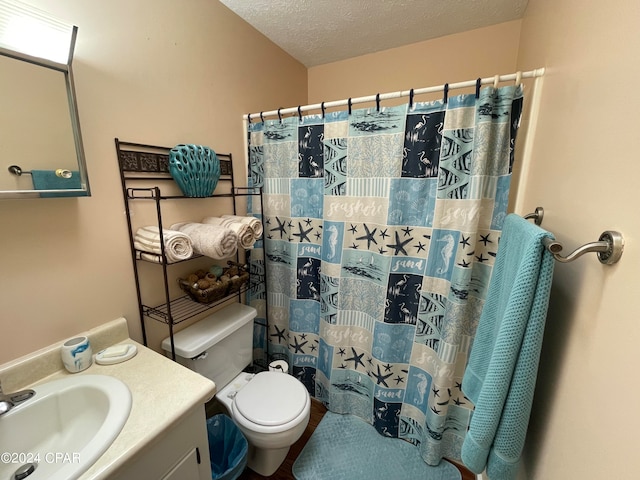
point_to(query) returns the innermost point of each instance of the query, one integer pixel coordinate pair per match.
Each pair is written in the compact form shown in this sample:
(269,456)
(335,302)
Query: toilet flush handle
(202,356)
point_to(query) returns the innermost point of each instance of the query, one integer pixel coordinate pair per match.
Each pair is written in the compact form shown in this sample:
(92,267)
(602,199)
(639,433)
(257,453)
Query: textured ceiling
(323,31)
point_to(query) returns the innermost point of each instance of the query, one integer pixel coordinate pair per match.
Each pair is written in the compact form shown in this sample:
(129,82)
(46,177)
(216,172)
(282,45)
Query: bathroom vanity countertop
(162,391)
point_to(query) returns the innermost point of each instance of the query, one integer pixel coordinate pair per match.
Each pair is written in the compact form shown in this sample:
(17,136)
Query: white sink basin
(65,427)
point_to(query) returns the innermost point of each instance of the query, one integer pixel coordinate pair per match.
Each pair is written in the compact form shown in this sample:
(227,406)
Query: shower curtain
(381,229)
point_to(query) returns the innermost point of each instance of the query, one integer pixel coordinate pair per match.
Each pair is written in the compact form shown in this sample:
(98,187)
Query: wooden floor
(285,471)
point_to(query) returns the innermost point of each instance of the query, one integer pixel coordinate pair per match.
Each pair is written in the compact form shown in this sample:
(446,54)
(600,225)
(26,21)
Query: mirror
(40,140)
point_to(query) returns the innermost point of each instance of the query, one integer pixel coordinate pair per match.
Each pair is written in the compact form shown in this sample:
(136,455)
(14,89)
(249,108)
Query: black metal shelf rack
(140,163)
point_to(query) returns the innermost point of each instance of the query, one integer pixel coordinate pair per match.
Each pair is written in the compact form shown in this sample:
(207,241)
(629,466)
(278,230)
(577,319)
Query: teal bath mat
(346,447)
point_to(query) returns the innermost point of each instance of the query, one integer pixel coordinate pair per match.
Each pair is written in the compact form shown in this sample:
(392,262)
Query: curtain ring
(300,112)
(322,108)
(496,80)
(411,98)
(446,93)
(478,83)
(261,117)
(249,117)
(377,102)
(349,103)
(518,77)
(279,116)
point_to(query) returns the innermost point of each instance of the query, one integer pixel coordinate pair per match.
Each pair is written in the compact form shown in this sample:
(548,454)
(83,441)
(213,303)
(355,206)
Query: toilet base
(266,461)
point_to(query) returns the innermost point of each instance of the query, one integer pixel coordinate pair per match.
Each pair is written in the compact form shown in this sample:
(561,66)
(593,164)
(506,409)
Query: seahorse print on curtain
(381,228)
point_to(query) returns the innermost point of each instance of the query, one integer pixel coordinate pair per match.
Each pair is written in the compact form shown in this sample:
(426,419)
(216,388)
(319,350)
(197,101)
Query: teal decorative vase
(195,168)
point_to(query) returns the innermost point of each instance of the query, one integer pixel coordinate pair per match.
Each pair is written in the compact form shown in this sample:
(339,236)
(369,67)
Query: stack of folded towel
(177,245)
(213,241)
(245,227)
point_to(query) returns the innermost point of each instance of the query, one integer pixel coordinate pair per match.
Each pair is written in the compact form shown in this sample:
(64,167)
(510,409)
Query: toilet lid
(271,398)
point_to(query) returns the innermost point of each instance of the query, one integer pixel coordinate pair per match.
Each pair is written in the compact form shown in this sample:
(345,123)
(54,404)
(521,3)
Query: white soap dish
(116,354)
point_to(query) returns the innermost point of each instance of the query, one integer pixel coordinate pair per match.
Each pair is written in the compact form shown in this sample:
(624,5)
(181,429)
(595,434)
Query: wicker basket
(236,282)
(231,281)
(206,295)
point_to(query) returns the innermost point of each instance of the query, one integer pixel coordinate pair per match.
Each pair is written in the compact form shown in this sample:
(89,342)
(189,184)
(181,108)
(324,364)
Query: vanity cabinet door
(179,453)
(187,469)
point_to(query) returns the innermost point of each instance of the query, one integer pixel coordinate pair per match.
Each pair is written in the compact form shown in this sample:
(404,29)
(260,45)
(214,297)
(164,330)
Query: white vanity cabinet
(181,453)
(188,468)
(165,434)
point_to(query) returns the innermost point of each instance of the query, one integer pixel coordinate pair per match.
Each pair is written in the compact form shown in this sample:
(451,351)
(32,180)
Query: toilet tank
(219,346)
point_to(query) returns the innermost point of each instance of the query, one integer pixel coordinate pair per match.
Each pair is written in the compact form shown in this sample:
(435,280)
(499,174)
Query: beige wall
(584,172)
(464,56)
(151,71)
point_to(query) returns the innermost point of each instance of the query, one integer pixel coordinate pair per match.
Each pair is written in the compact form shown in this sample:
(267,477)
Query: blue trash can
(227,448)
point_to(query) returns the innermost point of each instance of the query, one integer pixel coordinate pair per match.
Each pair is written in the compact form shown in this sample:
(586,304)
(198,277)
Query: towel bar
(17,171)
(537,216)
(60,172)
(609,246)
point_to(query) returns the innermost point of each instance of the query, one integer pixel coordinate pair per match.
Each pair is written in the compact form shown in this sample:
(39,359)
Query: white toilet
(270,408)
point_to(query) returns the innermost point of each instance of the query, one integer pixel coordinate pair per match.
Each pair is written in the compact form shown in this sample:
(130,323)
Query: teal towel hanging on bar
(48,180)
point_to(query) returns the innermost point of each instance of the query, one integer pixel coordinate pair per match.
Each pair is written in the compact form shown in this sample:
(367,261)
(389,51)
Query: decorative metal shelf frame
(150,163)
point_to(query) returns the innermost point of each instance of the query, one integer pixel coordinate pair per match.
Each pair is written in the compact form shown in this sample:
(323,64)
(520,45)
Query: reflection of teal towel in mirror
(48,180)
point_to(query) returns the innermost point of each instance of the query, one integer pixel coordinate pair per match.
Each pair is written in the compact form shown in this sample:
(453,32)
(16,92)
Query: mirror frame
(85,190)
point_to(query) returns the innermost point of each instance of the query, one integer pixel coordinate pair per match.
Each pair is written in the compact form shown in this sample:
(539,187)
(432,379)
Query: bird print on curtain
(381,229)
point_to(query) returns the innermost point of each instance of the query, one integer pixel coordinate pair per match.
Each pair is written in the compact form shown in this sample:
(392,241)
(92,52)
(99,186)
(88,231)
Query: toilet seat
(271,399)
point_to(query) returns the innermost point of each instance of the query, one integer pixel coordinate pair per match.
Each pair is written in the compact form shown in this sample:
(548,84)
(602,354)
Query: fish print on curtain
(381,229)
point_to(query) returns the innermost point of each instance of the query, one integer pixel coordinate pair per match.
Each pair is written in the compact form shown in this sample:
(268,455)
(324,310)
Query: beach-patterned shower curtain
(381,229)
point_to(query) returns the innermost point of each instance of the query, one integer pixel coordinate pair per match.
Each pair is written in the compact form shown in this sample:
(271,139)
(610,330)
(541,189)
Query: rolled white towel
(210,240)
(177,245)
(253,222)
(246,237)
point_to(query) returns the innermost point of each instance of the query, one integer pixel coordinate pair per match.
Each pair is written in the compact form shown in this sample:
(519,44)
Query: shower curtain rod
(538,72)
